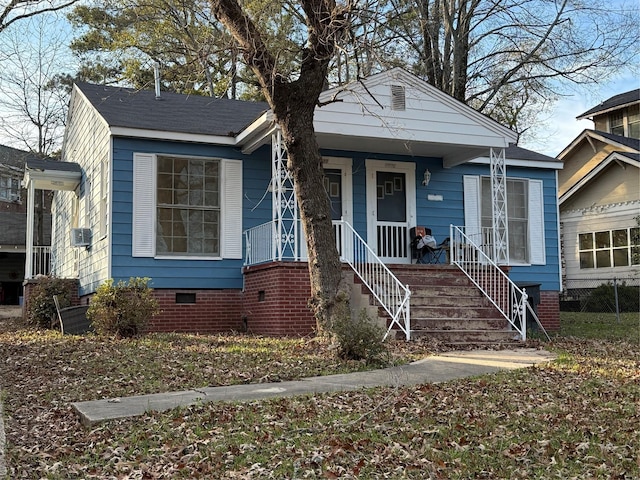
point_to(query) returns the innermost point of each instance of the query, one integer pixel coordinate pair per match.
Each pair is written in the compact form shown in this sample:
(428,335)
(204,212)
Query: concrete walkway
(434,369)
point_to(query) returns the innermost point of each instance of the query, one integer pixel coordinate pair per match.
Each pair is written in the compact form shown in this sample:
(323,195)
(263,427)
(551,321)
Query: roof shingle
(171,112)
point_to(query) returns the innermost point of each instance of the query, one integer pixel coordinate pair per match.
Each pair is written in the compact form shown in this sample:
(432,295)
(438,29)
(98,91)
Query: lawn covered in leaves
(577,417)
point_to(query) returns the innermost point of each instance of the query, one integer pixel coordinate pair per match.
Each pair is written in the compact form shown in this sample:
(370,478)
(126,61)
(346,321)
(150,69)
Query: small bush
(41,309)
(602,299)
(123,309)
(360,339)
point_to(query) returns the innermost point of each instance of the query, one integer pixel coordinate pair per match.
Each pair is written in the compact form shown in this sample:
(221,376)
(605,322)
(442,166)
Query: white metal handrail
(507,297)
(392,295)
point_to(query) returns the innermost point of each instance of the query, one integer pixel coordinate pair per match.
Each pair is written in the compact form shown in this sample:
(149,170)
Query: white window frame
(536,250)
(144,224)
(610,249)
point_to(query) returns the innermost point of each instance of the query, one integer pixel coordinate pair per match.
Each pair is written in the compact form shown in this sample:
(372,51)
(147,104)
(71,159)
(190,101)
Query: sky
(563,127)
(560,125)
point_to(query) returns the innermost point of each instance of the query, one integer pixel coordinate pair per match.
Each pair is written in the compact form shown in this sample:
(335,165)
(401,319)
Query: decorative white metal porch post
(499,207)
(28,264)
(285,205)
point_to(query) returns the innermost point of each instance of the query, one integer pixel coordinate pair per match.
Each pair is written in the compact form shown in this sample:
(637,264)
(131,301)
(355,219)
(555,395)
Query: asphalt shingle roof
(172,112)
(626,141)
(514,152)
(46,164)
(619,100)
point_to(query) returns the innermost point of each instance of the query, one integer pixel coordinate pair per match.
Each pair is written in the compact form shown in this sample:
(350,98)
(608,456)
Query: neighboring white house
(599,196)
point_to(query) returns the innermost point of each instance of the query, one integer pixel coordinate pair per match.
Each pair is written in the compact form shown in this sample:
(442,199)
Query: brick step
(468,337)
(464,298)
(453,311)
(459,324)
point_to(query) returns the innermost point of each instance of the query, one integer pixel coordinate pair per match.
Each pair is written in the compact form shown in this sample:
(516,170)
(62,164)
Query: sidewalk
(434,369)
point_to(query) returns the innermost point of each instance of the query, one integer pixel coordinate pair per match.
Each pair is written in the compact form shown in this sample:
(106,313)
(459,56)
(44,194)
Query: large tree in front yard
(293,97)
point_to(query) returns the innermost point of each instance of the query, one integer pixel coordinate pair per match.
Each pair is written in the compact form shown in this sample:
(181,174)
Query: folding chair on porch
(425,249)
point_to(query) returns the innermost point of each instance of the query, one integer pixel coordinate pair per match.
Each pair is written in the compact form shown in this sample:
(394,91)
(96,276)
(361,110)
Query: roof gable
(432,122)
(617,141)
(622,159)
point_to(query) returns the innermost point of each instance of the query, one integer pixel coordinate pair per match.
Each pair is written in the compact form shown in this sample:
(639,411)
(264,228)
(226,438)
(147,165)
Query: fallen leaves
(574,418)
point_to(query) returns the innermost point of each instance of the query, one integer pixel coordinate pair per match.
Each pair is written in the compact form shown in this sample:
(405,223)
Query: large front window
(188,206)
(609,248)
(517,217)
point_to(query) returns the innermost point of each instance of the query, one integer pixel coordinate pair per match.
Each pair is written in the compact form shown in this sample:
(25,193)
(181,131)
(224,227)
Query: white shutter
(472,220)
(144,203)
(536,223)
(231,234)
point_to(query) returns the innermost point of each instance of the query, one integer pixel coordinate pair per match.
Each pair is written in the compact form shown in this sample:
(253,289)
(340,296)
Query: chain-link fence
(616,295)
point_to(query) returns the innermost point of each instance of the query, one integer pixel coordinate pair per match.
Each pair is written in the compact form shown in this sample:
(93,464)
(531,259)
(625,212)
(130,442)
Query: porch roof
(51,174)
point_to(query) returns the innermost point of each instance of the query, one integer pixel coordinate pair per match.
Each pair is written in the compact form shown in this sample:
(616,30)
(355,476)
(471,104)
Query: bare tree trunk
(293,103)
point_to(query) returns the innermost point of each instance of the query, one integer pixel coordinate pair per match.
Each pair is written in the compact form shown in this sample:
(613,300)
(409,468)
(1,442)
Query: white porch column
(285,205)
(28,264)
(499,207)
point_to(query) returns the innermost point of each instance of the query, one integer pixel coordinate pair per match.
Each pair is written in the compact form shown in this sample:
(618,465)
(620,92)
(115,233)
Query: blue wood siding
(183,273)
(437,215)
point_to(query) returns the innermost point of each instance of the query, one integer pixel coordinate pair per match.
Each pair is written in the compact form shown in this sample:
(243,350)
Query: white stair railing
(392,295)
(507,297)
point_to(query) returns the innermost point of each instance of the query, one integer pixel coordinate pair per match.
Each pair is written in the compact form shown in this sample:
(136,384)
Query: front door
(391,195)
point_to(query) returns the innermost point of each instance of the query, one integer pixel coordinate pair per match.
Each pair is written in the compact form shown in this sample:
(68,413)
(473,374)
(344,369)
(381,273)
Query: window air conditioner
(80,237)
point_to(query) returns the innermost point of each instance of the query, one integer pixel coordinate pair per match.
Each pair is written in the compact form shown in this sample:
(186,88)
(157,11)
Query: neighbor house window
(633,120)
(616,123)
(188,206)
(9,189)
(517,216)
(609,248)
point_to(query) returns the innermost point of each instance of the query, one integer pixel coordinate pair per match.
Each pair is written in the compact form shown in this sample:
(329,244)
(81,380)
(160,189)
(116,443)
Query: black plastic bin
(533,299)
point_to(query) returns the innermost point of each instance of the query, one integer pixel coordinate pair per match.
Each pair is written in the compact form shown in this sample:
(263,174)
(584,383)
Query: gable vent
(397,98)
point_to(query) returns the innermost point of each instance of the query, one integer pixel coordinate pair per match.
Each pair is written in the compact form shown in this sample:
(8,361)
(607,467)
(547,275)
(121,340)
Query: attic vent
(397,98)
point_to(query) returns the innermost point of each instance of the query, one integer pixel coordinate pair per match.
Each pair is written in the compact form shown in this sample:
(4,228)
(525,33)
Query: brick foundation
(275,299)
(214,311)
(549,310)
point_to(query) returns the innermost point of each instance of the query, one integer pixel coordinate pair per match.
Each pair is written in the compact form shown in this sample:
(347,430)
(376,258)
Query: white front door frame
(409,170)
(345,165)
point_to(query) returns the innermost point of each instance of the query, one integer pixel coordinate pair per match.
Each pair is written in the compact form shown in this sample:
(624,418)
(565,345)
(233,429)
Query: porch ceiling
(450,153)
(52,175)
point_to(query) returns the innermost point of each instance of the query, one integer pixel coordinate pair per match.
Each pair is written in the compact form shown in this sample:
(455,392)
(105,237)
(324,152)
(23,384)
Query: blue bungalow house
(193,193)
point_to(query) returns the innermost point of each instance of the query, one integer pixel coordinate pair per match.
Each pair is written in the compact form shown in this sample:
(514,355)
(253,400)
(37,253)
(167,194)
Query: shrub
(602,299)
(41,309)
(360,339)
(123,309)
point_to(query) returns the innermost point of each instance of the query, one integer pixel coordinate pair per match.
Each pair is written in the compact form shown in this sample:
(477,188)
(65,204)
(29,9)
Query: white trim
(612,157)
(175,136)
(345,165)
(373,166)
(593,134)
(552,164)
(110,208)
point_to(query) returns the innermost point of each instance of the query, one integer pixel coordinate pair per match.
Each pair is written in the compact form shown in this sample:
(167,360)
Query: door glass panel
(333,187)
(392,201)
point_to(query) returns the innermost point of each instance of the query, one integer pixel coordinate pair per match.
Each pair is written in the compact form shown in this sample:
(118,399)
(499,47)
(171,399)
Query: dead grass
(574,418)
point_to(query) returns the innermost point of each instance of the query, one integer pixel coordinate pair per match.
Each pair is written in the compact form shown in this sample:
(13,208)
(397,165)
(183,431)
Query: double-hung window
(9,189)
(186,206)
(525,217)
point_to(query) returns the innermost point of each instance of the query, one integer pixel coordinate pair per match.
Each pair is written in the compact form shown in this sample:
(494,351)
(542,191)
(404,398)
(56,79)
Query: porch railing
(471,258)
(41,261)
(393,296)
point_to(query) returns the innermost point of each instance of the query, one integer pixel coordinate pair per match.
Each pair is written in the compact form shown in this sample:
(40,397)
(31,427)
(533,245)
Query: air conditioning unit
(80,237)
